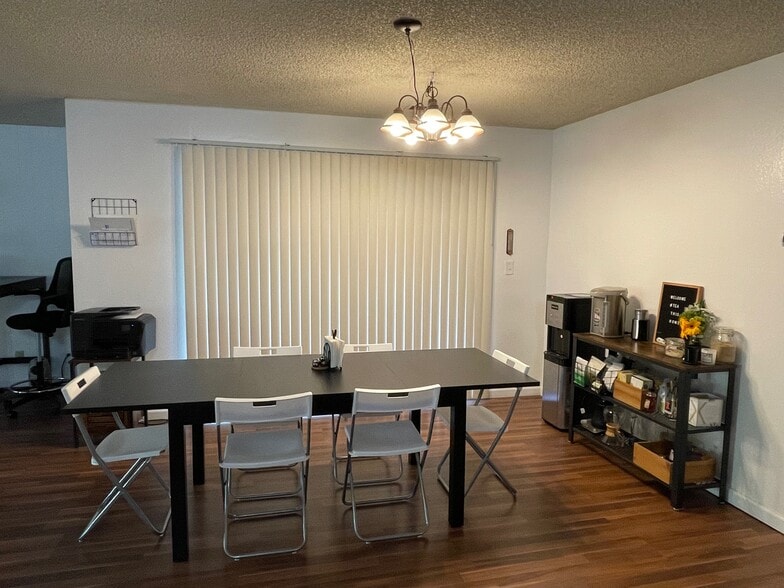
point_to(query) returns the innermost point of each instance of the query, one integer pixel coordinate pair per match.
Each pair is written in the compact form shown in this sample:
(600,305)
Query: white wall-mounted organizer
(112,223)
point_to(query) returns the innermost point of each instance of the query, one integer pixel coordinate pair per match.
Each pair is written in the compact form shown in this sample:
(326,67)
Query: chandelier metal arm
(448,104)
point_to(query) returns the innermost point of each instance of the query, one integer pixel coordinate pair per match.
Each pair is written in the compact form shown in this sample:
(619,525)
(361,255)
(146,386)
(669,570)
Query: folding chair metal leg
(485,455)
(356,504)
(300,492)
(120,488)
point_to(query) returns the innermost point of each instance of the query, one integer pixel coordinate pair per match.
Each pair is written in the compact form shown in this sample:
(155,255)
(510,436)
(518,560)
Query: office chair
(44,321)
(369,436)
(336,418)
(138,445)
(264,351)
(480,419)
(255,452)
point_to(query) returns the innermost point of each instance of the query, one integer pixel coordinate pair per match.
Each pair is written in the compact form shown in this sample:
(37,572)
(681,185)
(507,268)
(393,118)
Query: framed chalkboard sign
(674,299)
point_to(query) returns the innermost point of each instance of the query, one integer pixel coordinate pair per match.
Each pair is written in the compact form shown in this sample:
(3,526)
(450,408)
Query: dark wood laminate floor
(578,520)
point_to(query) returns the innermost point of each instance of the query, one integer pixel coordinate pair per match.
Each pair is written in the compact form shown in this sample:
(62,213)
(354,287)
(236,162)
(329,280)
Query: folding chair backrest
(263,410)
(362,348)
(390,401)
(257,351)
(75,387)
(511,361)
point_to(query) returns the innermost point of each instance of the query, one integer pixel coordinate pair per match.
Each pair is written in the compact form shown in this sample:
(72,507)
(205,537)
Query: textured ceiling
(524,63)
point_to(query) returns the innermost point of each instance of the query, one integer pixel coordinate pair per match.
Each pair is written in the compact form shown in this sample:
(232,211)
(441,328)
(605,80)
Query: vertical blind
(282,246)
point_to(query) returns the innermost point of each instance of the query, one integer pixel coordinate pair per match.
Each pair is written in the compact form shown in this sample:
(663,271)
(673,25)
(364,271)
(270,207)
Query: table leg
(457,431)
(178,481)
(197,443)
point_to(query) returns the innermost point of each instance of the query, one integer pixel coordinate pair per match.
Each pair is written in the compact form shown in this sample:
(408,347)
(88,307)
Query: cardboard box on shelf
(705,410)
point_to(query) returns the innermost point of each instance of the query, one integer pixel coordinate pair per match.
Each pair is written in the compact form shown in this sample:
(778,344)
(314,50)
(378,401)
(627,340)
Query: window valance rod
(287,147)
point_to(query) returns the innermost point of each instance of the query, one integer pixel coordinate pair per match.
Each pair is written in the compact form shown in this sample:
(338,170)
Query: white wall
(115,150)
(688,186)
(33,228)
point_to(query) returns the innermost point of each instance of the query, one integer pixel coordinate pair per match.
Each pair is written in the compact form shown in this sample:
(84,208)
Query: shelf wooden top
(652,352)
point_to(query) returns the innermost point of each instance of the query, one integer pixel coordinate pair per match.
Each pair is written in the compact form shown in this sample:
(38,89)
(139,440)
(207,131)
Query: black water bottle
(640,325)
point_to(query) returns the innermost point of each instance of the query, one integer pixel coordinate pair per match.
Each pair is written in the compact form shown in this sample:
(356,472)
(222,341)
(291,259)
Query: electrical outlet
(18,353)
(509,268)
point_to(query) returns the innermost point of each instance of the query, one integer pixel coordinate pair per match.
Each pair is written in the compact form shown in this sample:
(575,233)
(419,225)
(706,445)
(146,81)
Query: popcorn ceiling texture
(524,63)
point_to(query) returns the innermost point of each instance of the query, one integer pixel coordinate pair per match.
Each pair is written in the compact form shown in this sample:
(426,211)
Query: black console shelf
(641,355)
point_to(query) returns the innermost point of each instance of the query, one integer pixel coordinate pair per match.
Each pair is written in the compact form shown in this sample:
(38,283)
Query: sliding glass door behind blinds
(280,247)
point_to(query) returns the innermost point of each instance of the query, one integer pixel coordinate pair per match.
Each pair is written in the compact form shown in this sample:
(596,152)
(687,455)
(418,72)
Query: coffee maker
(565,314)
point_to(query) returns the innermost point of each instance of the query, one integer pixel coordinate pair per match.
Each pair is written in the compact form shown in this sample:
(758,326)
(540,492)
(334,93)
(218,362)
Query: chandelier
(427,120)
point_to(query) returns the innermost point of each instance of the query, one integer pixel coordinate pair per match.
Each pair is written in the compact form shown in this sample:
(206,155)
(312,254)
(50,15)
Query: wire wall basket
(112,223)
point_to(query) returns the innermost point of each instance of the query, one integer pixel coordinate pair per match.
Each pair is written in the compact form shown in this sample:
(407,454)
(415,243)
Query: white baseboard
(759,512)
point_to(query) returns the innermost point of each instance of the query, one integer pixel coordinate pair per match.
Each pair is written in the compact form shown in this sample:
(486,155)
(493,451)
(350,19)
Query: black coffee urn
(565,314)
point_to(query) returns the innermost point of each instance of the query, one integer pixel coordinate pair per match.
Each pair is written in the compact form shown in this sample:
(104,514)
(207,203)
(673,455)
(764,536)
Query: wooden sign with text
(674,299)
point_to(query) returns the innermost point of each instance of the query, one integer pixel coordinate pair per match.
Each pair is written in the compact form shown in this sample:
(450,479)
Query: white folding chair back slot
(480,419)
(384,438)
(282,442)
(261,351)
(137,445)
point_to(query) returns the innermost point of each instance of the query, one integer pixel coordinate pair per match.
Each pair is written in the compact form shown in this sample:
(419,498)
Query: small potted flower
(695,321)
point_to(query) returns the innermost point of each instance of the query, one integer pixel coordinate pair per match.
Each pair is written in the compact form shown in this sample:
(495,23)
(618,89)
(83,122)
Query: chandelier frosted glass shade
(397,125)
(467,126)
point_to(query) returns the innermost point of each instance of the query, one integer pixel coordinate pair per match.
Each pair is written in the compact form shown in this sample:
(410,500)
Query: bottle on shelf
(670,402)
(661,397)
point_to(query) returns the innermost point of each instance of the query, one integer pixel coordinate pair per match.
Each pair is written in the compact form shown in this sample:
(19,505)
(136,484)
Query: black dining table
(187,389)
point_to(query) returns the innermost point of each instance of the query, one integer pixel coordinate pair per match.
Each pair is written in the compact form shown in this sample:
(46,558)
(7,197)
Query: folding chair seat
(262,351)
(257,436)
(139,445)
(367,435)
(337,418)
(482,420)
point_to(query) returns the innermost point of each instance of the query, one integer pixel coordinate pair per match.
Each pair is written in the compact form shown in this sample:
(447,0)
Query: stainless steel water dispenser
(565,314)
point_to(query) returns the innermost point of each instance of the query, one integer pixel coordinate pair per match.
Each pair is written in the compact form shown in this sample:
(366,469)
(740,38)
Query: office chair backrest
(60,292)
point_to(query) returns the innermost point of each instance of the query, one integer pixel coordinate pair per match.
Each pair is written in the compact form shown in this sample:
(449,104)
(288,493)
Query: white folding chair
(369,436)
(252,451)
(257,351)
(336,418)
(480,419)
(139,445)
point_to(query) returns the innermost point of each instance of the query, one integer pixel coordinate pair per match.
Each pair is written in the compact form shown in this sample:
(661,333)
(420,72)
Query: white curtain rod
(286,147)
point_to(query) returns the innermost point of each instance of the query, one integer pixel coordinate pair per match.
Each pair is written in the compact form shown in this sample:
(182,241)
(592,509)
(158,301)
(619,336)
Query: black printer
(113,332)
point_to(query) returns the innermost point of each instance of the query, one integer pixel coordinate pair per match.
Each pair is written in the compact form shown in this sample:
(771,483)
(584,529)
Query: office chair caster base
(29,390)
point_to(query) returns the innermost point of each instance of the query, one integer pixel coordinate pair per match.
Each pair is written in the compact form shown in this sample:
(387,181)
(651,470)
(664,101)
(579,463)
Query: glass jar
(674,347)
(724,344)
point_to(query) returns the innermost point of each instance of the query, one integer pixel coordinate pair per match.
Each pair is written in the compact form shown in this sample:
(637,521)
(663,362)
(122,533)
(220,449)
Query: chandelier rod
(413,65)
